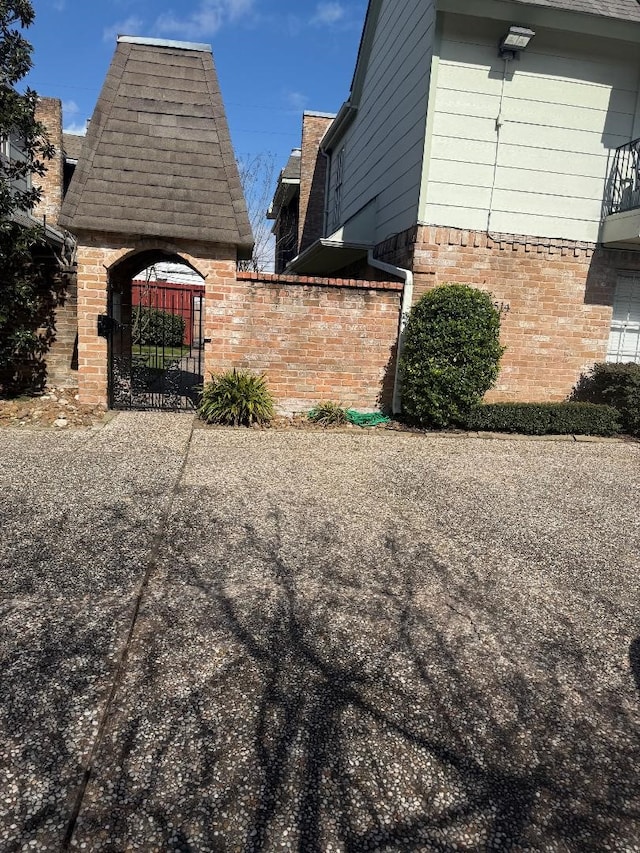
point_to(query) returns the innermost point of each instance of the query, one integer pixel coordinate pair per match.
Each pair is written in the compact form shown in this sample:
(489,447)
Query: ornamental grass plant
(328,414)
(236,398)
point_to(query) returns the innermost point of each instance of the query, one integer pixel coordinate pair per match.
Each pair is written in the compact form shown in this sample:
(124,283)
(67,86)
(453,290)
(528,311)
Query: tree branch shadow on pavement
(524,773)
(62,614)
(392,705)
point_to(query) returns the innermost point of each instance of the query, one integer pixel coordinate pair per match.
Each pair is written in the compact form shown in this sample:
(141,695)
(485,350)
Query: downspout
(405,310)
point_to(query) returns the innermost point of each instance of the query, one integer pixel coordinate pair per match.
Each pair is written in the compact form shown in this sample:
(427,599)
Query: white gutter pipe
(407,302)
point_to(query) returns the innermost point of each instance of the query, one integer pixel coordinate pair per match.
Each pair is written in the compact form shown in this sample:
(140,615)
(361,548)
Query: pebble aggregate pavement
(342,641)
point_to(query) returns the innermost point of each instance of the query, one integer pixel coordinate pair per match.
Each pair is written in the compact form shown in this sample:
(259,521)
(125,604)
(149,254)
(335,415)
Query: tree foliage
(25,293)
(17,112)
(451,355)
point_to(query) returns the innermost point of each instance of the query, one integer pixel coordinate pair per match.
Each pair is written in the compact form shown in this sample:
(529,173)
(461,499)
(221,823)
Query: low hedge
(615,385)
(545,418)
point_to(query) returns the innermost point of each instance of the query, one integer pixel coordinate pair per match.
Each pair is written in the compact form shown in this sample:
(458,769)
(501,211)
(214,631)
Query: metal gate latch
(106,325)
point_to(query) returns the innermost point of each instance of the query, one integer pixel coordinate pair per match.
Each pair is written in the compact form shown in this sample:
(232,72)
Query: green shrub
(237,398)
(545,418)
(614,385)
(451,354)
(328,414)
(152,327)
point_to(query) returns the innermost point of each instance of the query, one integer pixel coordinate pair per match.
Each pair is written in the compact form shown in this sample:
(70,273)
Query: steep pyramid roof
(157,160)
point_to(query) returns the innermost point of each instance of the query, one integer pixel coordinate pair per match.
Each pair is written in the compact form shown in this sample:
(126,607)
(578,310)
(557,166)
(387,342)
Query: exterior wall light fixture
(515,41)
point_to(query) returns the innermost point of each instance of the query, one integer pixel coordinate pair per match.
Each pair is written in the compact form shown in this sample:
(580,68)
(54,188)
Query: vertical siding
(383,148)
(568,102)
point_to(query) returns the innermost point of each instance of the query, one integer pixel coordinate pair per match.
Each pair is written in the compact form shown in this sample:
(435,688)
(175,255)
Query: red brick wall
(313,176)
(49,112)
(316,339)
(557,298)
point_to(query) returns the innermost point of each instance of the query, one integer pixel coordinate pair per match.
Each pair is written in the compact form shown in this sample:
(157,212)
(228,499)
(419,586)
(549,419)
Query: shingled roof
(157,160)
(72,145)
(625,10)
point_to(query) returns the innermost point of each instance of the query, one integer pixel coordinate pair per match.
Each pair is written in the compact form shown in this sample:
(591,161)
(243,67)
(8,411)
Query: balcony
(621,225)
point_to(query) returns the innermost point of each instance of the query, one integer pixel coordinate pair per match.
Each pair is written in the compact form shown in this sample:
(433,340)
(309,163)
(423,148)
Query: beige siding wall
(568,102)
(383,148)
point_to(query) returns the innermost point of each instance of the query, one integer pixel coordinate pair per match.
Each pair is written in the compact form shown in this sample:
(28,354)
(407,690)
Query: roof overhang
(622,230)
(567,16)
(328,256)
(287,190)
(345,116)
(52,235)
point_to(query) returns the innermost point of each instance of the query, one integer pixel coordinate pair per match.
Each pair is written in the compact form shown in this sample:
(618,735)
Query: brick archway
(108,260)
(155,335)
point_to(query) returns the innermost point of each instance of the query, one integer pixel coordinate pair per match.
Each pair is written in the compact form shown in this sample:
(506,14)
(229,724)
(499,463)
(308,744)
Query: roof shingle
(158,160)
(72,145)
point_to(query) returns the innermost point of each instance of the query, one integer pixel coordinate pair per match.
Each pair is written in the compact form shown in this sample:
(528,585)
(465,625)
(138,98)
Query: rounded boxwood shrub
(451,355)
(236,398)
(615,385)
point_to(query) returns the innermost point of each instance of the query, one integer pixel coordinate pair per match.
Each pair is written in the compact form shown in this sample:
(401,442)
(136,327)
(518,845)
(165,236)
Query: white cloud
(297,101)
(131,26)
(70,108)
(328,13)
(205,21)
(59,5)
(79,129)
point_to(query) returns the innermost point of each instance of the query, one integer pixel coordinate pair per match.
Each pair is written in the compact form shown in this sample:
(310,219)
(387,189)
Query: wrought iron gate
(155,334)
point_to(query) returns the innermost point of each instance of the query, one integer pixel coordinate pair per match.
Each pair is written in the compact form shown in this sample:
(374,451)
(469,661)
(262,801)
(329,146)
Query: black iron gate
(155,334)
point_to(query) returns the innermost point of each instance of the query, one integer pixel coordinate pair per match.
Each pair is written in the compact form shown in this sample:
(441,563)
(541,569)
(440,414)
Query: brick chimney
(313,176)
(49,113)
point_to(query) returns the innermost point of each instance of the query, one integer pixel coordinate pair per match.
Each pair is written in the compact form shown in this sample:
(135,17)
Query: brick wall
(62,358)
(49,112)
(556,298)
(316,339)
(313,176)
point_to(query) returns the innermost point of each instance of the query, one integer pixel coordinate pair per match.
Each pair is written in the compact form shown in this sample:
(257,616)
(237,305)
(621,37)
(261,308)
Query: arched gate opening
(155,332)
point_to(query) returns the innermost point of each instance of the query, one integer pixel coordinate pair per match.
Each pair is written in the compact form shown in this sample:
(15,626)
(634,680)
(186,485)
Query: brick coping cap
(271,278)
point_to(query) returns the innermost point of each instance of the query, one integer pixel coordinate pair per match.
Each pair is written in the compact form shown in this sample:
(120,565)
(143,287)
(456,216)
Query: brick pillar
(92,349)
(313,176)
(223,319)
(49,112)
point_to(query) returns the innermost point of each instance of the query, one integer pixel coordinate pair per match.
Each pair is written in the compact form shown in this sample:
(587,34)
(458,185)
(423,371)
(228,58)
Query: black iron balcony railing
(624,180)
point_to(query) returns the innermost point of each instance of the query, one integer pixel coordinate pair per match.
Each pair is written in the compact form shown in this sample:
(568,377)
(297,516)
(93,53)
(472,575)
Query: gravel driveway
(218,640)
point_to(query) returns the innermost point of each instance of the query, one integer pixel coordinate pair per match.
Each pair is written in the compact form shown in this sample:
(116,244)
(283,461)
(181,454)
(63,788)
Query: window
(624,340)
(12,153)
(337,190)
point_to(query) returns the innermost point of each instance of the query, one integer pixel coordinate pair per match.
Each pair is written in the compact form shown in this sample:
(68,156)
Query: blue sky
(274,58)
